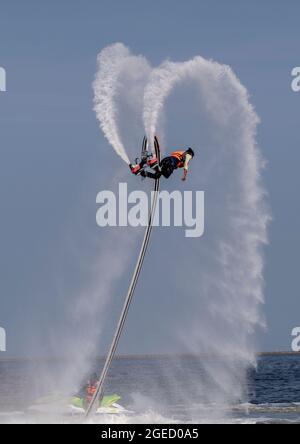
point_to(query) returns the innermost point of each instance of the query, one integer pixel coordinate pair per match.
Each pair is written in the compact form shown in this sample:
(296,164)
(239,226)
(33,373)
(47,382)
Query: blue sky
(50,140)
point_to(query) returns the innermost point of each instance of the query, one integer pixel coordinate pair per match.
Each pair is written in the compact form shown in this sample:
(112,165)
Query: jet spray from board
(121,76)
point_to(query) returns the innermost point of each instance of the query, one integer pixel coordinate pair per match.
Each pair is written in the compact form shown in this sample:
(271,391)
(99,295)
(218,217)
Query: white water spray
(105,89)
(119,79)
(225,309)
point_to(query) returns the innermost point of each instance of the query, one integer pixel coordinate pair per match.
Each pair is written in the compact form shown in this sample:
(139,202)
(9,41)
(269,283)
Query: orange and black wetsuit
(177,159)
(89,393)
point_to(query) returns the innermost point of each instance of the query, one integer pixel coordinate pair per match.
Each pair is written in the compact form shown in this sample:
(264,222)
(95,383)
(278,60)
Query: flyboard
(98,394)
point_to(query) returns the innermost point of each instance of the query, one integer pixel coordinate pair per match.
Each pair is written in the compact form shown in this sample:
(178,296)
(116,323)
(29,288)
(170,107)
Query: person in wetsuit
(177,159)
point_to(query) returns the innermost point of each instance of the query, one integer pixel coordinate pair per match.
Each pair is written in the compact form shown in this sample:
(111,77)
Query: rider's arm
(188,157)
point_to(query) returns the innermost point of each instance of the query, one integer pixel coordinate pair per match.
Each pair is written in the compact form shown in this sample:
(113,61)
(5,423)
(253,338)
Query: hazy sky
(52,148)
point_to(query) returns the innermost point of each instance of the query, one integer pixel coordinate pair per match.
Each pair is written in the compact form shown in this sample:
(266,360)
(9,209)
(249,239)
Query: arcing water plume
(118,78)
(226,267)
(161,82)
